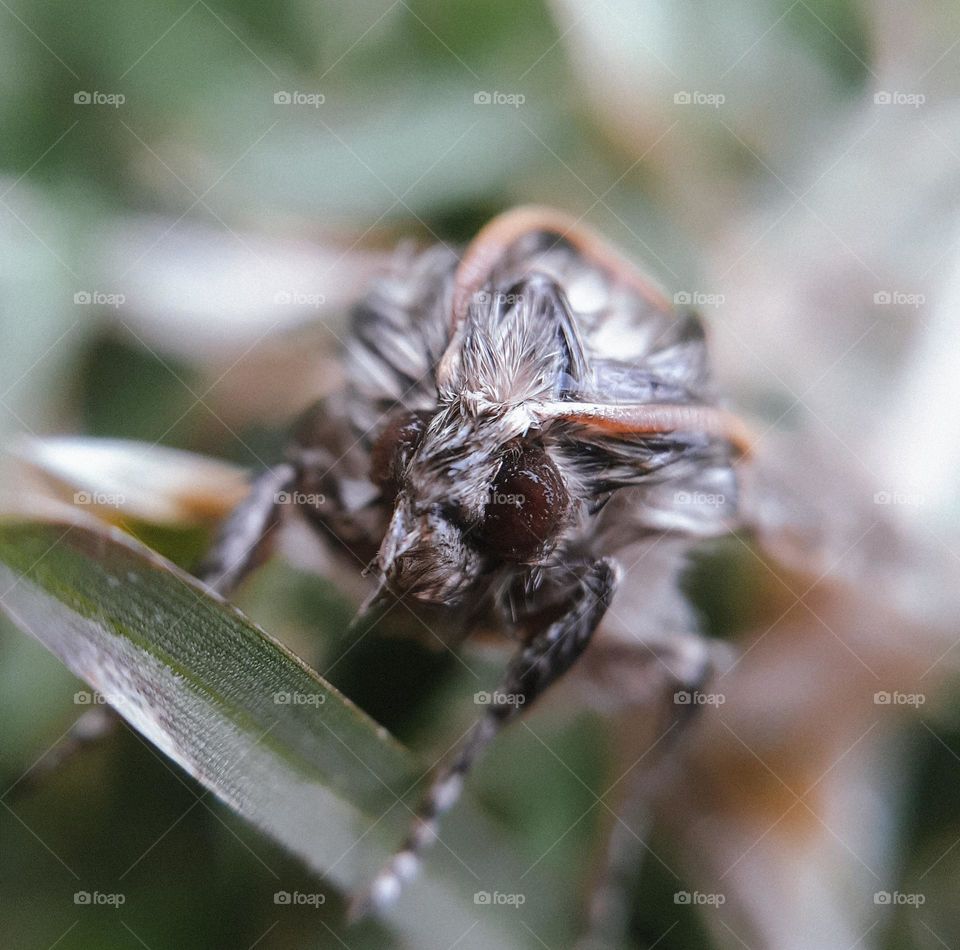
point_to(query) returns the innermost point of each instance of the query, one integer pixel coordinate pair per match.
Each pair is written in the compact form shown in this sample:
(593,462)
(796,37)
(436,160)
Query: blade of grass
(229,704)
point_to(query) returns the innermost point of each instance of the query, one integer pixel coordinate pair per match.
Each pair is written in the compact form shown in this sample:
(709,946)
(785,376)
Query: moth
(515,413)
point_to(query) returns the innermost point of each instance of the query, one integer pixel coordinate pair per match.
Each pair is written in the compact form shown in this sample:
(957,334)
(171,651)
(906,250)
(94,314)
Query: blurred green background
(127,227)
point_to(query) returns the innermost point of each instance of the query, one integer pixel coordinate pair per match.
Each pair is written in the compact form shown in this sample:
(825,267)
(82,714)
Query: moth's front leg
(679,669)
(322,457)
(243,538)
(545,656)
(240,544)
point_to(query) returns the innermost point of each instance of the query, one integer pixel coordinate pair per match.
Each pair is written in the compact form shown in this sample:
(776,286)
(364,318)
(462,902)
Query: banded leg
(545,657)
(240,543)
(245,535)
(684,666)
(89,729)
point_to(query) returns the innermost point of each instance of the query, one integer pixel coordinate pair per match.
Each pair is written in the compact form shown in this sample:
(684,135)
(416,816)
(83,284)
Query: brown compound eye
(393,450)
(526,505)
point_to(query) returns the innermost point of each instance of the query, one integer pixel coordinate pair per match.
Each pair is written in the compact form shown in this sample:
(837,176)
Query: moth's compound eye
(393,450)
(526,505)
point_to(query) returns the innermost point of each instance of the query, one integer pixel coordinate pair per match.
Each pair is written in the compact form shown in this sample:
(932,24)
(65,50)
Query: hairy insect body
(515,416)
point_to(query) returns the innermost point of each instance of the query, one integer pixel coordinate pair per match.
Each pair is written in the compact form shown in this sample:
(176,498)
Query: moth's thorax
(484,371)
(457,461)
(478,492)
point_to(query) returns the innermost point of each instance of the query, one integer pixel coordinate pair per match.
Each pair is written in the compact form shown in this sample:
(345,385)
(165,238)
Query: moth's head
(469,493)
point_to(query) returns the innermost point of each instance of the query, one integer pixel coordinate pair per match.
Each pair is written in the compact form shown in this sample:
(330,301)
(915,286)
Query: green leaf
(230,705)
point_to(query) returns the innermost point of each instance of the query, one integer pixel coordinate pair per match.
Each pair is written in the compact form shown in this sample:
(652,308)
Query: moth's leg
(683,668)
(322,458)
(244,537)
(609,905)
(544,657)
(90,727)
(240,545)
(334,491)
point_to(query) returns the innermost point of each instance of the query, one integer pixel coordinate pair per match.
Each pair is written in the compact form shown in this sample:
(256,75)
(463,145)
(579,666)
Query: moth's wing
(638,345)
(644,419)
(399,331)
(651,421)
(402,330)
(531,235)
(678,475)
(695,499)
(641,356)
(641,417)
